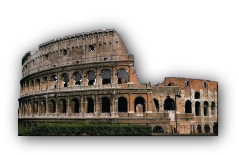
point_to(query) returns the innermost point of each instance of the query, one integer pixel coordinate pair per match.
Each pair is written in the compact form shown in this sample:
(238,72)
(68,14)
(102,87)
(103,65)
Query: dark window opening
(122,76)
(158,129)
(207,128)
(106,77)
(77,78)
(139,104)
(205,108)
(169,104)
(77,62)
(205,84)
(54,77)
(188,107)
(105,105)
(197,108)
(156,102)
(62,106)
(65,51)
(197,95)
(213,108)
(91,48)
(105,59)
(76,106)
(122,104)
(199,128)
(91,78)
(186,83)
(65,79)
(52,106)
(106,81)
(91,82)
(90,108)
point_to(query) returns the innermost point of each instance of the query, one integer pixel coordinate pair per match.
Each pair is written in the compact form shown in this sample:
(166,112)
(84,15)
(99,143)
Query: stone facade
(91,76)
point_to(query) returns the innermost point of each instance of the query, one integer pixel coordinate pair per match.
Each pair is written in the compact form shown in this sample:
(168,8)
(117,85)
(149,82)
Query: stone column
(131,104)
(47,82)
(68,110)
(209,109)
(149,103)
(192,93)
(82,105)
(94,98)
(98,77)
(114,76)
(46,104)
(193,108)
(84,78)
(201,109)
(38,107)
(58,78)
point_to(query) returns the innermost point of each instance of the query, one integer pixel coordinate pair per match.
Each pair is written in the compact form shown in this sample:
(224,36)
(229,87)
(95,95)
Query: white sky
(193,39)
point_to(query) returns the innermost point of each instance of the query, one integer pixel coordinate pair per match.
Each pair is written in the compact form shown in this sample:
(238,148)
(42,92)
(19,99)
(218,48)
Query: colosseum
(91,76)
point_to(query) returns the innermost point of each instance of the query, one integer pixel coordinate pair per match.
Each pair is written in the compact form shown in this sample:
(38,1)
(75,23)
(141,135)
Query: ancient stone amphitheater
(91,77)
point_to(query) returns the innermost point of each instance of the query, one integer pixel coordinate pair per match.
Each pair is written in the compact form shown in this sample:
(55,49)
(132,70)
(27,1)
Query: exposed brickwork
(91,76)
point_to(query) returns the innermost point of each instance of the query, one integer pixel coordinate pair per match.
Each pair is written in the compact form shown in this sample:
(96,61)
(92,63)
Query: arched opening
(53,80)
(91,48)
(123,76)
(75,106)
(22,88)
(25,108)
(37,84)
(42,107)
(51,106)
(213,108)
(122,104)
(169,104)
(31,85)
(205,84)
(91,78)
(199,128)
(139,104)
(188,107)
(207,128)
(197,108)
(205,108)
(90,108)
(197,95)
(106,77)
(77,78)
(62,106)
(156,103)
(105,105)
(35,107)
(158,129)
(29,108)
(44,83)
(65,79)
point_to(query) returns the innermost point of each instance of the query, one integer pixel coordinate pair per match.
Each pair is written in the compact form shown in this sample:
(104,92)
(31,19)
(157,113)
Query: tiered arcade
(90,76)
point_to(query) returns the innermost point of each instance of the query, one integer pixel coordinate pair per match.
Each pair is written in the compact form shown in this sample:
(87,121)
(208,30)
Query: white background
(193,39)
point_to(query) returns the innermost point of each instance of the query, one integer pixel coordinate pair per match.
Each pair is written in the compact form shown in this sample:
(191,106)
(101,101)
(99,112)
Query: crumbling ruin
(91,76)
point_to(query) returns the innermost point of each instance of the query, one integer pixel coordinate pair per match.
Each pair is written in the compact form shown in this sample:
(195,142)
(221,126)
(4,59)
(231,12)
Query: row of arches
(169,104)
(199,109)
(64,80)
(122,106)
(89,106)
(198,129)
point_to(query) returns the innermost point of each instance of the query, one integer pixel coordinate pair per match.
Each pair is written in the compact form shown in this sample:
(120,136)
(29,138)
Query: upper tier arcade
(88,47)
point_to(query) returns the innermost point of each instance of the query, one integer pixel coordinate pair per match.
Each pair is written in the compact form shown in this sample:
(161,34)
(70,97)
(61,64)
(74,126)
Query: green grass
(90,129)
